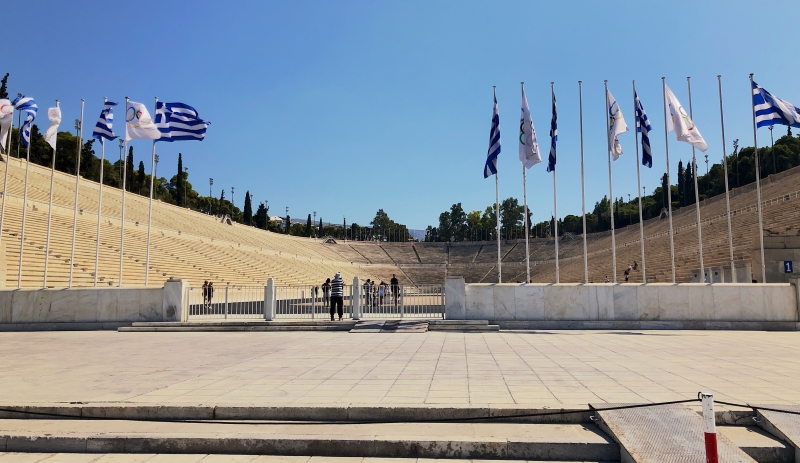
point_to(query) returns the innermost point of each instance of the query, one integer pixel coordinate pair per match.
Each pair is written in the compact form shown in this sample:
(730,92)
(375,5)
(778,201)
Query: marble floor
(544,368)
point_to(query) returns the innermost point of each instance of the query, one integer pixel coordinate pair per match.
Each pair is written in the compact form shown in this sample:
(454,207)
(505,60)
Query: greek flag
(643,127)
(551,161)
(27,105)
(178,121)
(771,110)
(494,142)
(103,127)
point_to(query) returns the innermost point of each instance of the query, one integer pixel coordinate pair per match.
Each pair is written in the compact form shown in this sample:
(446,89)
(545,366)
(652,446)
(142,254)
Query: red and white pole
(709,428)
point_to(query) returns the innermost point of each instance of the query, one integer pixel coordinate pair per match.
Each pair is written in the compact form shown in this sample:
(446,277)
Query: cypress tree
(308,226)
(320,226)
(688,184)
(179,187)
(140,180)
(129,169)
(248,209)
(681,185)
(3,89)
(288,223)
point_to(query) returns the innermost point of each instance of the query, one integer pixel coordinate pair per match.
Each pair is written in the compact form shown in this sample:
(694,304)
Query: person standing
(395,287)
(326,292)
(210,293)
(205,294)
(337,295)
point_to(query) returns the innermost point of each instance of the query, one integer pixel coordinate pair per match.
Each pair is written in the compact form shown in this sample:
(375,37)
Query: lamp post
(735,153)
(19,121)
(186,178)
(232,204)
(629,211)
(314,222)
(121,149)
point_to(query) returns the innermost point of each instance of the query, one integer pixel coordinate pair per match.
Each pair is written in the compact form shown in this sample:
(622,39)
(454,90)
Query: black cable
(756,407)
(436,420)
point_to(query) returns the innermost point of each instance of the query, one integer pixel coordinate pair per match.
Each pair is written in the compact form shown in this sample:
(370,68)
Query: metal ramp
(784,426)
(390,326)
(663,434)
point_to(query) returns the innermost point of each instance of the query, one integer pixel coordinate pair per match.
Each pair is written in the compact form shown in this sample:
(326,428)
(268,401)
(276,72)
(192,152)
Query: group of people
(208,293)
(627,272)
(374,294)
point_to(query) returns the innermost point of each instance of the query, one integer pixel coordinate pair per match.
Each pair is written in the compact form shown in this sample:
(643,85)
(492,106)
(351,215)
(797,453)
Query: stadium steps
(239,325)
(462,325)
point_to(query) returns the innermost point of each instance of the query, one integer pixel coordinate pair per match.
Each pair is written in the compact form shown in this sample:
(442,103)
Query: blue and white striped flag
(643,127)
(27,105)
(103,127)
(178,121)
(494,142)
(771,110)
(551,161)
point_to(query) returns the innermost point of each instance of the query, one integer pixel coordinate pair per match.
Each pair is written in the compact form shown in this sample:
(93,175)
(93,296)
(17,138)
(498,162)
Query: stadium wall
(91,308)
(627,306)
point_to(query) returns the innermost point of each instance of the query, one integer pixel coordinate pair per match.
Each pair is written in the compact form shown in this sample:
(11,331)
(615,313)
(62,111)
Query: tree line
(458,225)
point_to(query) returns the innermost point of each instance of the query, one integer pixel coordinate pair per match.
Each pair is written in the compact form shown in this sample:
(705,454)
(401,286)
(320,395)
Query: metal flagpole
(639,181)
(727,194)
(99,205)
(583,188)
(497,216)
(527,225)
(555,204)
(49,215)
(77,185)
(696,193)
(150,211)
(24,210)
(610,189)
(758,187)
(124,179)
(5,182)
(669,183)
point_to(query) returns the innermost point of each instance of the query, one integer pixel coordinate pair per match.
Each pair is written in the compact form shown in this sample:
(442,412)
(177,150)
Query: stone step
(549,442)
(465,327)
(343,326)
(458,322)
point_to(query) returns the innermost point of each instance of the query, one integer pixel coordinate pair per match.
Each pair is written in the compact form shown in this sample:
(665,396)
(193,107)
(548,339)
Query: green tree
(681,184)
(140,179)
(308,226)
(248,209)
(3,88)
(261,217)
(458,222)
(129,170)
(511,217)
(288,224)
(445,230)
(179,187)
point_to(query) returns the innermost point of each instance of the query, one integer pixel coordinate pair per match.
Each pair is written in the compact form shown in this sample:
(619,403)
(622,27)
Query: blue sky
(346,107)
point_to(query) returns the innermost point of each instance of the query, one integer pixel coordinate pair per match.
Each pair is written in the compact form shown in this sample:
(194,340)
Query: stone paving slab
(529,369)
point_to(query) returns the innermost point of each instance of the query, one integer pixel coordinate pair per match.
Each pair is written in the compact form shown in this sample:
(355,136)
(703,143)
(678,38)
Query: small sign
(787,267)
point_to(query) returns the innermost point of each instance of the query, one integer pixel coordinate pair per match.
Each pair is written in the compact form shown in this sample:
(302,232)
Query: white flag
(616,125)
(678,121)
(54,114)
(138,123)
(6,119)
(528,146)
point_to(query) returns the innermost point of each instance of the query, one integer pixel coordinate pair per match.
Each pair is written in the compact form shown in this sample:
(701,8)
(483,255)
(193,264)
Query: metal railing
(308,302)
(403,301)
(226,302)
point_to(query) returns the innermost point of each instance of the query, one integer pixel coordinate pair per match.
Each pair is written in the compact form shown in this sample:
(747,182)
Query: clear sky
(346,107)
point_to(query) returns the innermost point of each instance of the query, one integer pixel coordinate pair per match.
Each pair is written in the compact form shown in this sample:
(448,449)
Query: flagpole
(583,188)
(124,179)
(497,217)
(610,189)
(99,204)
(49,214)
(639,180)
(555,203)
(696,192)
(727,194)
(5,182)
(669,183)
(758,187)
(77,185)
(24,209)
(527,225)
(150,211)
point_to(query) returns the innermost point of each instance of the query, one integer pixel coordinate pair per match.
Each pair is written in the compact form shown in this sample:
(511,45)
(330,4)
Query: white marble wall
(81,305)
(608,302)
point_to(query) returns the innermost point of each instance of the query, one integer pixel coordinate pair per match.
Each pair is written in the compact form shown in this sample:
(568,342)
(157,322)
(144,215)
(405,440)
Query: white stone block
(529,302)
(674,303)
(107,305)
(6,301)
(174,300)
(480,301)
(752,300)
(455,299)
(701,300)
(567,302)
(727,302)
(505,301)
(779,303)
(647,299)
(626,304)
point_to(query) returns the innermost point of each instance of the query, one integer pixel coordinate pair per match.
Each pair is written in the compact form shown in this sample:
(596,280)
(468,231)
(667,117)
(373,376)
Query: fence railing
(226,302)
(309,302)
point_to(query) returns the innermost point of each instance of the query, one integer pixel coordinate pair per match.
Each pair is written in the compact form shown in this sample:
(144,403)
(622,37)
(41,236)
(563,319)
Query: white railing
(308,302)
(403,301)
(226,302)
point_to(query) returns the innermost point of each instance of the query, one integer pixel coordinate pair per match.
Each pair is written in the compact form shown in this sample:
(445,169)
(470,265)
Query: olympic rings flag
(139,124)
(6,118)
(678,121)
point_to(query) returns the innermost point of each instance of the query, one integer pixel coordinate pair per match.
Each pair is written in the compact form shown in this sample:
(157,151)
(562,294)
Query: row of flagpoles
(768,110)
(173,122)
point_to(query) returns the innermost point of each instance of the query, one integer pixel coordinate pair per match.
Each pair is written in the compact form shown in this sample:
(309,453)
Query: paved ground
(123,458)
(310,368)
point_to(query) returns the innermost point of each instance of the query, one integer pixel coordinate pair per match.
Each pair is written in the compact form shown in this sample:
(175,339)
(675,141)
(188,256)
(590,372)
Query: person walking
(395,287)
(337,295)
(381,292)
(205,294)
(210,293)
(326,292)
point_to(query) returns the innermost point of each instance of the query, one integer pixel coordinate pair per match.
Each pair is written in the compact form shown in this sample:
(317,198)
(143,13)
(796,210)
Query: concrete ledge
(646,325)
(63,326)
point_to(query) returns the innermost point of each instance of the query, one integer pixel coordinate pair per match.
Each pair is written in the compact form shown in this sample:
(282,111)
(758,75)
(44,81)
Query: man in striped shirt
(337,295)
